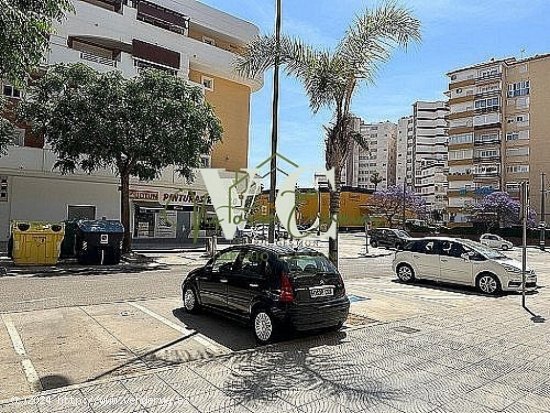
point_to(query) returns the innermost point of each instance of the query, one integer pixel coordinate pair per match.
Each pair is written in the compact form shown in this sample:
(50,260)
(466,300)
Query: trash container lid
(112,226)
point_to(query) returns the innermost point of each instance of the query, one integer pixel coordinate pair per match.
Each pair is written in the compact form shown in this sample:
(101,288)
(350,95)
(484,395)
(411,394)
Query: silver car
(460,261)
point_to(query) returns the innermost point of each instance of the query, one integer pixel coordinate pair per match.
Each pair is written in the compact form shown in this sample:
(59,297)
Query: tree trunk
(334,212)
(125,211)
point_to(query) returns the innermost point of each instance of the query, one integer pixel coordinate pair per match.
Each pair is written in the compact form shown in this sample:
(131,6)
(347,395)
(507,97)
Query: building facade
(404,152)
(376,159)
(183,37)
(498,124)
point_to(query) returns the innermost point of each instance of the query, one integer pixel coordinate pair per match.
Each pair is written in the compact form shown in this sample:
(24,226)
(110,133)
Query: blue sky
(456,33)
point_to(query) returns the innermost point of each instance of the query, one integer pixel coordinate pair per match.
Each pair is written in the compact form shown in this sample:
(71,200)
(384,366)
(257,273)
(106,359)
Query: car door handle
(253,285)
(223,280)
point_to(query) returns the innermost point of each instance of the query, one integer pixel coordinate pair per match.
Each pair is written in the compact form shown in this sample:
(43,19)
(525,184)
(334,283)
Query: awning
(155,206)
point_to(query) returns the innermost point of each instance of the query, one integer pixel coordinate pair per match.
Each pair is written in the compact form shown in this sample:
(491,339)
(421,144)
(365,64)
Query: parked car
(388,238)
(272,287)
(495,241)
(459,261)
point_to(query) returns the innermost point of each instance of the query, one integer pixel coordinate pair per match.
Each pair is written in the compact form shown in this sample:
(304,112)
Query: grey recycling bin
(99,241)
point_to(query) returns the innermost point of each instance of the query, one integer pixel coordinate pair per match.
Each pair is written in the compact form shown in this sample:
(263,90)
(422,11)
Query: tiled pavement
(480,359)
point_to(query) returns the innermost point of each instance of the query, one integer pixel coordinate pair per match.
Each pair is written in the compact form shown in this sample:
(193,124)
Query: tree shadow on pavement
(316,368)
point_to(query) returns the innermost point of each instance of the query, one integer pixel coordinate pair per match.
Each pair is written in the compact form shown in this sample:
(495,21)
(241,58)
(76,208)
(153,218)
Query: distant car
(271,287)
(388,238)
(495,241)
(460,261)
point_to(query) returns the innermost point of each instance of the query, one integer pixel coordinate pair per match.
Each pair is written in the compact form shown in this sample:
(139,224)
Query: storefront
(166,214)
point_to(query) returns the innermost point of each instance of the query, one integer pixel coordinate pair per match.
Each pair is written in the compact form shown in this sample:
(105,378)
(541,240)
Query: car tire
(405,273)
(337,326)
(505,247)
(190,301)
(374,244)
(263,326)
(488,284)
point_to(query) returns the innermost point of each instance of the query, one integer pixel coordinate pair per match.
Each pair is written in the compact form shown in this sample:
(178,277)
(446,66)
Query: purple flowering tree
(388,203)
(499,209)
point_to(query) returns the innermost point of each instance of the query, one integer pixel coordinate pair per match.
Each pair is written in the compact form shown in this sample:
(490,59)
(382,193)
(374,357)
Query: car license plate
(321,292)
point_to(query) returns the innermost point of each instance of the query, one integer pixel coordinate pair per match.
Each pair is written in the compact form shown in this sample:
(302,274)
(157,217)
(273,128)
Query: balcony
(490,77)
(485,174)
(486,141)
(89,57)
(488,109)
(489,93)
(487,158)
(161,17)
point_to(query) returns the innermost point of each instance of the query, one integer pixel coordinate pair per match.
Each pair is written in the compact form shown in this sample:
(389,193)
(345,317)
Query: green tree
(136,126)
(375,179)
(331,78)
(25,26)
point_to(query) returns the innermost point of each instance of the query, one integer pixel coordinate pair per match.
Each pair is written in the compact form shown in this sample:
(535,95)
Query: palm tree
(375,179)
(331,78)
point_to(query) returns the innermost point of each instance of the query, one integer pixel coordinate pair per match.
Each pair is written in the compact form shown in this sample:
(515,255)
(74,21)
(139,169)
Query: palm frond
(373,35)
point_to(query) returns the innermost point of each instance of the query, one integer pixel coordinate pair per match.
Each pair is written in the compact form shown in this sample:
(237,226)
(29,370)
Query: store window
(75,212)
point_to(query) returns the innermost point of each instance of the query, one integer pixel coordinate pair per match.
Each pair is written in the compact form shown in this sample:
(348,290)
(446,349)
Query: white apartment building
(184,37)
(377,159)
(404,152)
(422,153)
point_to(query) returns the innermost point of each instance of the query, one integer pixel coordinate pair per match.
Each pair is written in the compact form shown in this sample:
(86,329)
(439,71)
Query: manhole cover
(406,330)
(356,298)
(359,320)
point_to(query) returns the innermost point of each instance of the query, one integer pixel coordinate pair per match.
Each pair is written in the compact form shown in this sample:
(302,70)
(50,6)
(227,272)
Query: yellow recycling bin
(36,243)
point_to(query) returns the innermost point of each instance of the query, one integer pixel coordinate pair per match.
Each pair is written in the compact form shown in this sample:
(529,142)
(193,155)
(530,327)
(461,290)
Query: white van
(459,261)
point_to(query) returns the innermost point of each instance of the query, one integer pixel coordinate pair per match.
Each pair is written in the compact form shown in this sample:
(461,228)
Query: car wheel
(374,244)
(190,301)
(505,247)
(405,273)
(488,284)
(263,326)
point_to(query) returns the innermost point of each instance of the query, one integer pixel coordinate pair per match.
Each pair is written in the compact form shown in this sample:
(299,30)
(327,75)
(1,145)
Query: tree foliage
(331,77)
(389,203)
(136,126)
(499,209)
(24,35)
(6,128)
(375,179)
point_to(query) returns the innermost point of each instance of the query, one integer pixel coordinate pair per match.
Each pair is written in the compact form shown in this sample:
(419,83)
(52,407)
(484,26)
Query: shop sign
(183,198)
(139,195)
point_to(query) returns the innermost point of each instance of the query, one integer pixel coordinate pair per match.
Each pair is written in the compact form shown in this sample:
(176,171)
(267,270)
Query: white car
(460,261)
(496,242)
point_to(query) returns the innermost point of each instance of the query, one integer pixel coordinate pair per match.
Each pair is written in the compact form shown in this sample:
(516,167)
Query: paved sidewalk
(464,361)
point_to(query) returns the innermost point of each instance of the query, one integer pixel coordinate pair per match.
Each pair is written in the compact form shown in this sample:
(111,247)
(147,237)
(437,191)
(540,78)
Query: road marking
(205,341)
(26,363)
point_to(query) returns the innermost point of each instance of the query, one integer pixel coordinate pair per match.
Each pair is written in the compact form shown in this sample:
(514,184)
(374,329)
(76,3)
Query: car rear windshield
(308,263)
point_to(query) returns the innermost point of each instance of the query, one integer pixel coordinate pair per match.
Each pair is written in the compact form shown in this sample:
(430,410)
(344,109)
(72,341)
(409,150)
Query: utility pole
(404,202)
(319,209)
(542,241)
(524,213)
(274,126)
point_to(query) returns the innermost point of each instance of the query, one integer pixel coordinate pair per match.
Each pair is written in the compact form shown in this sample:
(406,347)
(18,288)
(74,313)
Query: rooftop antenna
(522,53)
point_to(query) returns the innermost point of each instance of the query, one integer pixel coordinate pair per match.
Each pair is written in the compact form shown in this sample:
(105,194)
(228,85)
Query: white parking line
(205,341)
(26,363)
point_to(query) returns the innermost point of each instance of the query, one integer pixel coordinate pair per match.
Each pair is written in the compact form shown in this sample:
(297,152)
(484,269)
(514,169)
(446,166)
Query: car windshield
(483,250)
(308,263)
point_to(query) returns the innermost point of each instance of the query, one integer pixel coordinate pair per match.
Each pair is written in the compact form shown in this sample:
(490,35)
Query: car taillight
(343,285)
(287,293)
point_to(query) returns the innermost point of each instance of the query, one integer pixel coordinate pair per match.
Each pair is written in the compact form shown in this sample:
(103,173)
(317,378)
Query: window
(512,136)
(81,212)
(224,261)
(207,82)
(11,92)
(517,151)
(522,118)
(486,103)
(517,169)
(252,264)
(452,249)
(460,154)
(208,40)
(488,72)
(3,189)
(459,139)
(490,153)
(522,103)
(518,89)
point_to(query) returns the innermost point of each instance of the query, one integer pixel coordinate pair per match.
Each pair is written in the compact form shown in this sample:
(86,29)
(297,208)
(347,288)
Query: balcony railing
(486,158)
(98,59)
(488,93)
(484,174)
(488,109)
(489,76)
(486,141)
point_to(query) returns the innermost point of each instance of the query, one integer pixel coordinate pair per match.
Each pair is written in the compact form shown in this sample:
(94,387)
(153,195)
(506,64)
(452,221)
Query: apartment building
(183,37)
(404,152)
(498,124)
(376,159)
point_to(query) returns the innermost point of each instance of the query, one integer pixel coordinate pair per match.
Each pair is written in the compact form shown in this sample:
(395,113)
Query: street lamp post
(274,125)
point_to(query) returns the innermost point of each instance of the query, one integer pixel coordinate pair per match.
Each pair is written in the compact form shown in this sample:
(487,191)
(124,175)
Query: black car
(388,238)
(272,287)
